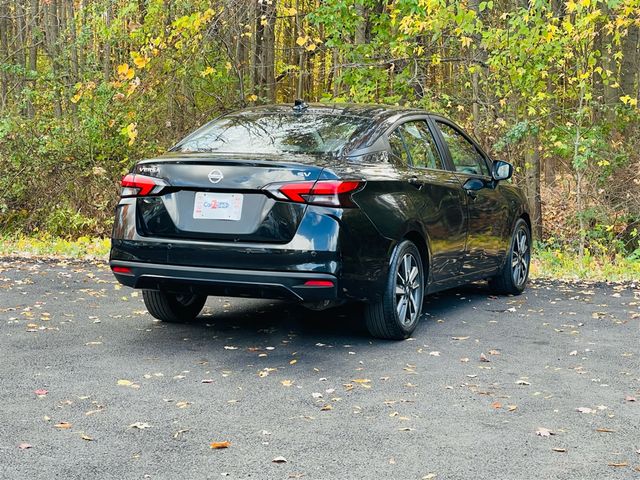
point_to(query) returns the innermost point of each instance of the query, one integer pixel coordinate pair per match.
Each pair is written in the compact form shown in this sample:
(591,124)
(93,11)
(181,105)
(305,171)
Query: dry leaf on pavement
(219,445)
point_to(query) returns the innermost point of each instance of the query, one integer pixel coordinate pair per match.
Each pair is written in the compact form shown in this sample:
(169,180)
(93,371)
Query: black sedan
(321,204)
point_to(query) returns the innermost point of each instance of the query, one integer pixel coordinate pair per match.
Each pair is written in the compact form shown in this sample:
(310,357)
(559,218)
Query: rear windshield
(275,133)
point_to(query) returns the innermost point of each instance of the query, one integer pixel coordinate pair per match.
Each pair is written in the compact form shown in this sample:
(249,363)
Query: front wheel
(396,315)
(512,279)
(173,307)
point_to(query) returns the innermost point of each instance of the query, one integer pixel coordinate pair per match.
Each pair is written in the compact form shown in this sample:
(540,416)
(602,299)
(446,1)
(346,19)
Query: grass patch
(50,246)
(567,265)
(546,262)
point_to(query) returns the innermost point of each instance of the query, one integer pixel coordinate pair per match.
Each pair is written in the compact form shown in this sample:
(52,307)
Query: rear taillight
(332,193)
(122,270)
(134,185)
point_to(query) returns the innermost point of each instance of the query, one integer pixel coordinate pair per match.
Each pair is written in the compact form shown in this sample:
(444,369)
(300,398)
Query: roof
(369,110)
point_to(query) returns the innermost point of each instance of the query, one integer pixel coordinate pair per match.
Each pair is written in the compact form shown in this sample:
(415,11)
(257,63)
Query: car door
(487,208)
(441,207)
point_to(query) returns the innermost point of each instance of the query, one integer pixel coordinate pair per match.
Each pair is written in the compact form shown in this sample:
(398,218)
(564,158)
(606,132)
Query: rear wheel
(173,307)
(512,279)
(396,315)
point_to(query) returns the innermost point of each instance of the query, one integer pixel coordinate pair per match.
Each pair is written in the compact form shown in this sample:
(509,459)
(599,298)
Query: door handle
(415,182)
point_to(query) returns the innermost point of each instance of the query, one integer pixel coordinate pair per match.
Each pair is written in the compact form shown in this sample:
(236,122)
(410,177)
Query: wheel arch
(423,247)
(525,216)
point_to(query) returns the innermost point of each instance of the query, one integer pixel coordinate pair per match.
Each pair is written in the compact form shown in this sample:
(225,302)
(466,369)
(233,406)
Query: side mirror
(501,170)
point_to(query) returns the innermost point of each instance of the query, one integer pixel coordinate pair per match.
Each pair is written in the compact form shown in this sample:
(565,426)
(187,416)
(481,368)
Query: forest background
(89,86)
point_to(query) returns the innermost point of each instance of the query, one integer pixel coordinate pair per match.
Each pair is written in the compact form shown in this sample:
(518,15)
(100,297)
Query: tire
(173,307)
(397,314)
(512,278)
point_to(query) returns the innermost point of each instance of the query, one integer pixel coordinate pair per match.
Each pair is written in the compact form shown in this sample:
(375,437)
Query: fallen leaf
(561,450)
(40,392)
(63,425)
(434,354)
(512,408)
(429,476)
(125,383)
(279,460)
(629,398)
(522,382)
(287,383)
(229,347)
(219,445)
(25,446)
(207,380)
(605,430)
(496,405)
(483,358)
(622,464)
(293,362)
(86,437)
(544,432)
(573,353)
(140,425)
(585,410)
(316,395)
(361,380)
(326,407)
(494,352)
(459,338)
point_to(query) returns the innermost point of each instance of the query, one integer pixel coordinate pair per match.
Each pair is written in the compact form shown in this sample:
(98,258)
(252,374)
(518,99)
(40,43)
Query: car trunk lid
(222,197)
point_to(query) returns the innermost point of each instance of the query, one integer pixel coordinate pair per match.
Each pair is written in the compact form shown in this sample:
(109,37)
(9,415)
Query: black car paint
(462,223)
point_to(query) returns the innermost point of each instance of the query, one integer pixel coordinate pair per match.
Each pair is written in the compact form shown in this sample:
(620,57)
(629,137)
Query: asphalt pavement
(541,386)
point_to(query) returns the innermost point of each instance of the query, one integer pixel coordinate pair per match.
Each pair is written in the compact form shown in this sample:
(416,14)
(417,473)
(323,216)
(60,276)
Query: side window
(465,156)
(398,151)
(421,145)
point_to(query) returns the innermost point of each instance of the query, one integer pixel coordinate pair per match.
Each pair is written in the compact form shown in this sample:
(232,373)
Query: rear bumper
(227,282)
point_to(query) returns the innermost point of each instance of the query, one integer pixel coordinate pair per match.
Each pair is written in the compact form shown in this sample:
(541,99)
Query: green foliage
(539,77)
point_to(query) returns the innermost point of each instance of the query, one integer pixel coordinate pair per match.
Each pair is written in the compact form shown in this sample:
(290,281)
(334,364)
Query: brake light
(134,185)
(333,193)
(318,283)
(123,270)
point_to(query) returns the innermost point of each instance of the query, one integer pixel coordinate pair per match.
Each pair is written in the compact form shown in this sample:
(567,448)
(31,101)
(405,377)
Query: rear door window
(413,143)
(465,156)
(399,155)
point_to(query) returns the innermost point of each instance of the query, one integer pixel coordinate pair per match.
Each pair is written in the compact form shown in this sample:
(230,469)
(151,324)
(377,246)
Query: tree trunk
(4,53)
(33,51)
(106,49)
(629,64)
(75,68)
(532,161)
(269,50)
(20,57)
(51,41)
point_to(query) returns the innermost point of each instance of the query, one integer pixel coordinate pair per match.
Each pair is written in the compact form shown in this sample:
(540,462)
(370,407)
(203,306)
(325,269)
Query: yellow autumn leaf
(139,61)
(287,383)
(131,132)
(466,41)
(301,41)
(125,72)
(311,47)
(361,380)
(219,445)
(252,98)
(228,66)
(207,71)
(125,383)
